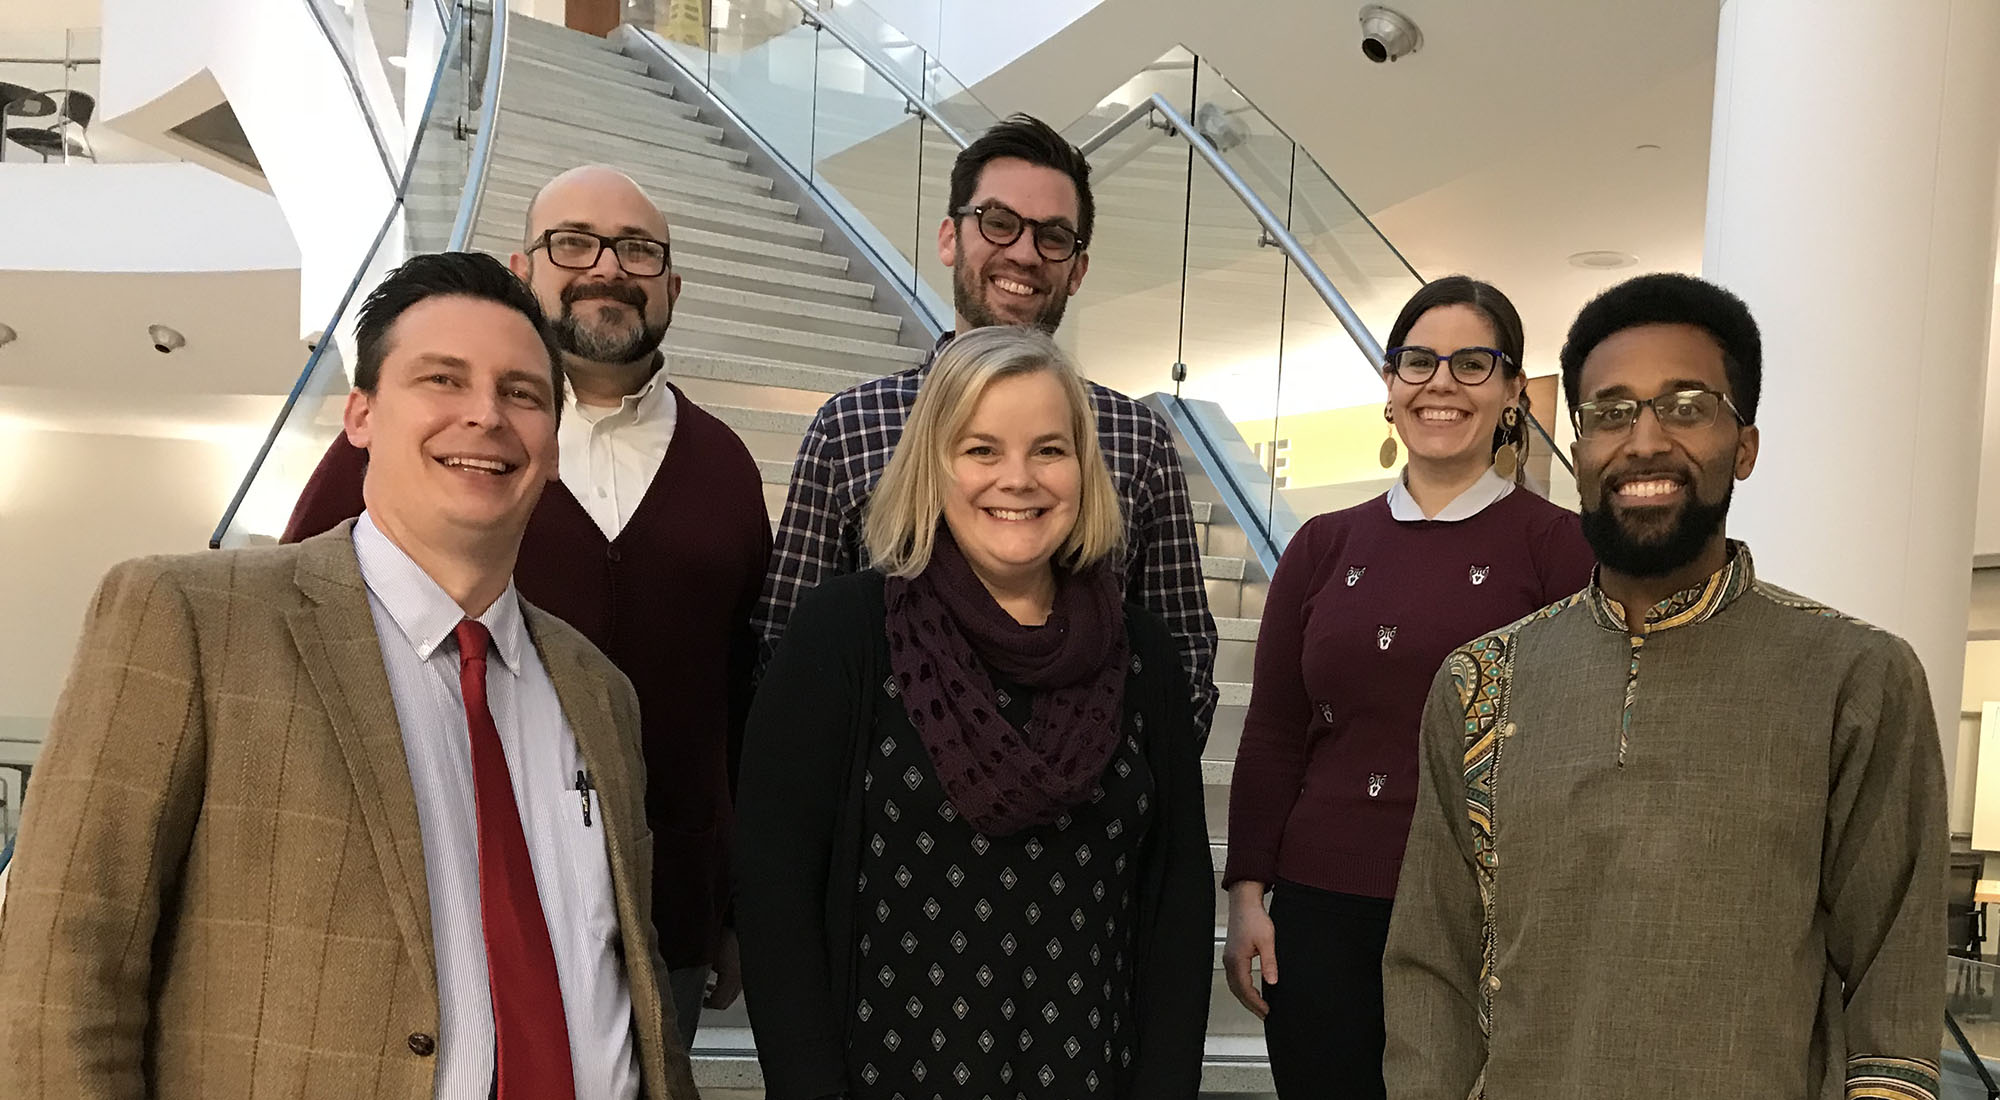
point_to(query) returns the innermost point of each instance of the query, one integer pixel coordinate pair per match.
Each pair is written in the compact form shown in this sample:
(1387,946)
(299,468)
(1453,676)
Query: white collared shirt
(414,623)
(609,455)
(1490,487)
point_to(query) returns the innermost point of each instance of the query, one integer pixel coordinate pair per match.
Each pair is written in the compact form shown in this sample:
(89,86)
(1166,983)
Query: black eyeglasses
(578,250)
(1001,227)
(1679,411)
(1469,366)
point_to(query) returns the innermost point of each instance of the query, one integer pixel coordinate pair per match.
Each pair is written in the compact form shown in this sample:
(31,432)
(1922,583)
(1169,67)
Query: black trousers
(1325,1027)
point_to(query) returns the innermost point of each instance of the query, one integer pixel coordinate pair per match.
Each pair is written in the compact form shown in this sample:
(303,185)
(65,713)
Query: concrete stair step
(890,355)
(1223,569)
(541,84)
(695,295)
(525,177)
(1202,510)
(741,419)
(1236,630)
(640,116)
(552,157)
(604,55)
(774,471)
(759,371)
(534,68)
(734,246)
(1232,695)
(643,135)
(561,157)
(725,1057)
(555,35)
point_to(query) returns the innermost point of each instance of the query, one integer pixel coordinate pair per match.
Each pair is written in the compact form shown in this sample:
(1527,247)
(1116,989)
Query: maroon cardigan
(669,601)
(1361,613)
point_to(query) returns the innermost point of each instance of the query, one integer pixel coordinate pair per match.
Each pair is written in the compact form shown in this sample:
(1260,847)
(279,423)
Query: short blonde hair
(900,527)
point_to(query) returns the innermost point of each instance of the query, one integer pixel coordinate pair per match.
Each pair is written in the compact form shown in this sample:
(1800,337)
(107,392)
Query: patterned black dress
(993,967)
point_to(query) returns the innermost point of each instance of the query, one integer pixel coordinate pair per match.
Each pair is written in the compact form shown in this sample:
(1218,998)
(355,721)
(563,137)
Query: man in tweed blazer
(228,882)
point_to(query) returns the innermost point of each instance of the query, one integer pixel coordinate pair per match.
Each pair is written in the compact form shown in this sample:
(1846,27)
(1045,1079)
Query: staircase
(777,314)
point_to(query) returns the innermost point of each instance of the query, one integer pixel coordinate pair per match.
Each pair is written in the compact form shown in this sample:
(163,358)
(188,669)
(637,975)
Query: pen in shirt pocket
(583,789)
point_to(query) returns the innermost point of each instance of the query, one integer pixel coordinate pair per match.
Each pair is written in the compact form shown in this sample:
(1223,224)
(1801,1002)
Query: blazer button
(612,554)
(422,1045)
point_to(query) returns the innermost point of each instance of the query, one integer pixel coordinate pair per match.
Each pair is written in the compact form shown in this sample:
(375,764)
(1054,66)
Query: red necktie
(530,1037)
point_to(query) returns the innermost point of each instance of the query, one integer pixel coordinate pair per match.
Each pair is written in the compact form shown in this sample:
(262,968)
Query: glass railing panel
(682,27)
(968,117)
(1972,1000)
(1344,245)
(1233,317)
(867,145)
(1325,448)
(442,159)
(1124,323)
(416,220)
(763,62)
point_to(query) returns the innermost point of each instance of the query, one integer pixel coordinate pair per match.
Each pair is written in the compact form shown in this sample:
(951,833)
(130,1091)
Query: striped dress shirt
(414,621)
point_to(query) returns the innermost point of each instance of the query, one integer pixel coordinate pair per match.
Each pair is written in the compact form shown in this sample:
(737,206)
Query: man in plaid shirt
(1021,215)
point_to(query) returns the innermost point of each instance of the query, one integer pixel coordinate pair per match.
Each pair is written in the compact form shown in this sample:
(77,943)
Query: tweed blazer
(219,890)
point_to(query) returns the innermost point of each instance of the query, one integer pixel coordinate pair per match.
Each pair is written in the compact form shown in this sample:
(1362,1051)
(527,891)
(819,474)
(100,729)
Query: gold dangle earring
(1507,460)
(1388,452)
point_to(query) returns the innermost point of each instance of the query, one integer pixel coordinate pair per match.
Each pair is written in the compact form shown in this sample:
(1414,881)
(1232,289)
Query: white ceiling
(83,361)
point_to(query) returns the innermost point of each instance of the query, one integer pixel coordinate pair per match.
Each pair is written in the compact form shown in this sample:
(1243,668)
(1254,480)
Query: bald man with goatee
(653,544)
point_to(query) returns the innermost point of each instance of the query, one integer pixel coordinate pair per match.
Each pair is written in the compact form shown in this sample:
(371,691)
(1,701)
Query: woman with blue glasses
(1366,603)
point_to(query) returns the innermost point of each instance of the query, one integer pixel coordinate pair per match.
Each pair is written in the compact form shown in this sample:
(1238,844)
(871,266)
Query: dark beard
(603,343)
(1620,552)
(966,301)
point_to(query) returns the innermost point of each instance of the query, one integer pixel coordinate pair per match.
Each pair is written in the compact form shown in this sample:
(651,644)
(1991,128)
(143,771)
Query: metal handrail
(489,121)
(460,19)
(346,59)
(915,100)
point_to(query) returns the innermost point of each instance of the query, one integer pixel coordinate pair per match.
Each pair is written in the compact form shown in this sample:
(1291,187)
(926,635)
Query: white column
(1851,203)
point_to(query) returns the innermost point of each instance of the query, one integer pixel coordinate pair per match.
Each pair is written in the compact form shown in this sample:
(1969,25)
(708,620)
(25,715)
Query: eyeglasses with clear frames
(1677,411)
(1469,366)
(578,250)
(1054,241)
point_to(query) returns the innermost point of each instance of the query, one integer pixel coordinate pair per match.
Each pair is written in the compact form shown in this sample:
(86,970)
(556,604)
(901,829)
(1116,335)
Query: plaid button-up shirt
(849,443)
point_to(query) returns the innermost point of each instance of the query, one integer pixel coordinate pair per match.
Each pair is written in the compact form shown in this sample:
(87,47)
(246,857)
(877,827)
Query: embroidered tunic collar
(1696,604)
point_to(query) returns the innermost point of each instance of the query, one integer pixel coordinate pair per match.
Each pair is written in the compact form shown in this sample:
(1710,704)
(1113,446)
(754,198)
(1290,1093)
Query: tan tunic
(1703,859)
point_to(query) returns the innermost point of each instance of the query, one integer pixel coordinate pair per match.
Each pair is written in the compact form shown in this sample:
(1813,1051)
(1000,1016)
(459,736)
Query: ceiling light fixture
(395,62)
(1602,259)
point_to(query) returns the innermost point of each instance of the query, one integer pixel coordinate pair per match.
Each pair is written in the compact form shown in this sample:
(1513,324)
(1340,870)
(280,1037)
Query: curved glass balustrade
(433,187)
(1191,291)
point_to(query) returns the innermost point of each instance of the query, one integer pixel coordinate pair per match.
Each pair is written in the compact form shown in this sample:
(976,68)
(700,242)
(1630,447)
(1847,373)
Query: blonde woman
(971,852)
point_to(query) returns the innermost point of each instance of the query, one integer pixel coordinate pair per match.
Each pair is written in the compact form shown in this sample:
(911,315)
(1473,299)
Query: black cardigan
(799,829)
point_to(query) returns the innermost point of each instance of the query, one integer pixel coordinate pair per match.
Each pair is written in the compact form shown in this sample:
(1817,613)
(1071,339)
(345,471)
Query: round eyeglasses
(1054,241)
(1678,411)
(1469,366)
(578,250)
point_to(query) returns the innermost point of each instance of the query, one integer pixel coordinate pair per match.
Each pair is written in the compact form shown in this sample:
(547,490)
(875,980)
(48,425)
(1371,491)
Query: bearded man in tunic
(1682,834)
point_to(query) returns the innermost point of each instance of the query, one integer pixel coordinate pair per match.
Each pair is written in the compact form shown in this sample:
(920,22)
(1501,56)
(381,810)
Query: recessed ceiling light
(7,335)
(1648,147)
(395,62)
(1602,259)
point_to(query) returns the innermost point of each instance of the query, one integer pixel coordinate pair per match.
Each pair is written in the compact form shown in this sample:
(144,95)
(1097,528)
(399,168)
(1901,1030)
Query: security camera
(1388,35)
(165,340)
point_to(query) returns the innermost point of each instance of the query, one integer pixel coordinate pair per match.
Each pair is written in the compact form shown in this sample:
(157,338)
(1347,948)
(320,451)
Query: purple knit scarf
(946,631)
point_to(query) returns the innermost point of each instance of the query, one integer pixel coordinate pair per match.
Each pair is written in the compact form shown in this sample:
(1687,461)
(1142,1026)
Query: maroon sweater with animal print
(1363,610)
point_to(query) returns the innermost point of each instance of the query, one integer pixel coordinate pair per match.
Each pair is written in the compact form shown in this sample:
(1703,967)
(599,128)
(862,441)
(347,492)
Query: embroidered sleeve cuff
(1873,1078)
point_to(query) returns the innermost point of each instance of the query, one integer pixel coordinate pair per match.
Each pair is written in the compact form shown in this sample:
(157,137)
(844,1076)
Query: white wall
(72,505)
(166,62)
(174,217)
